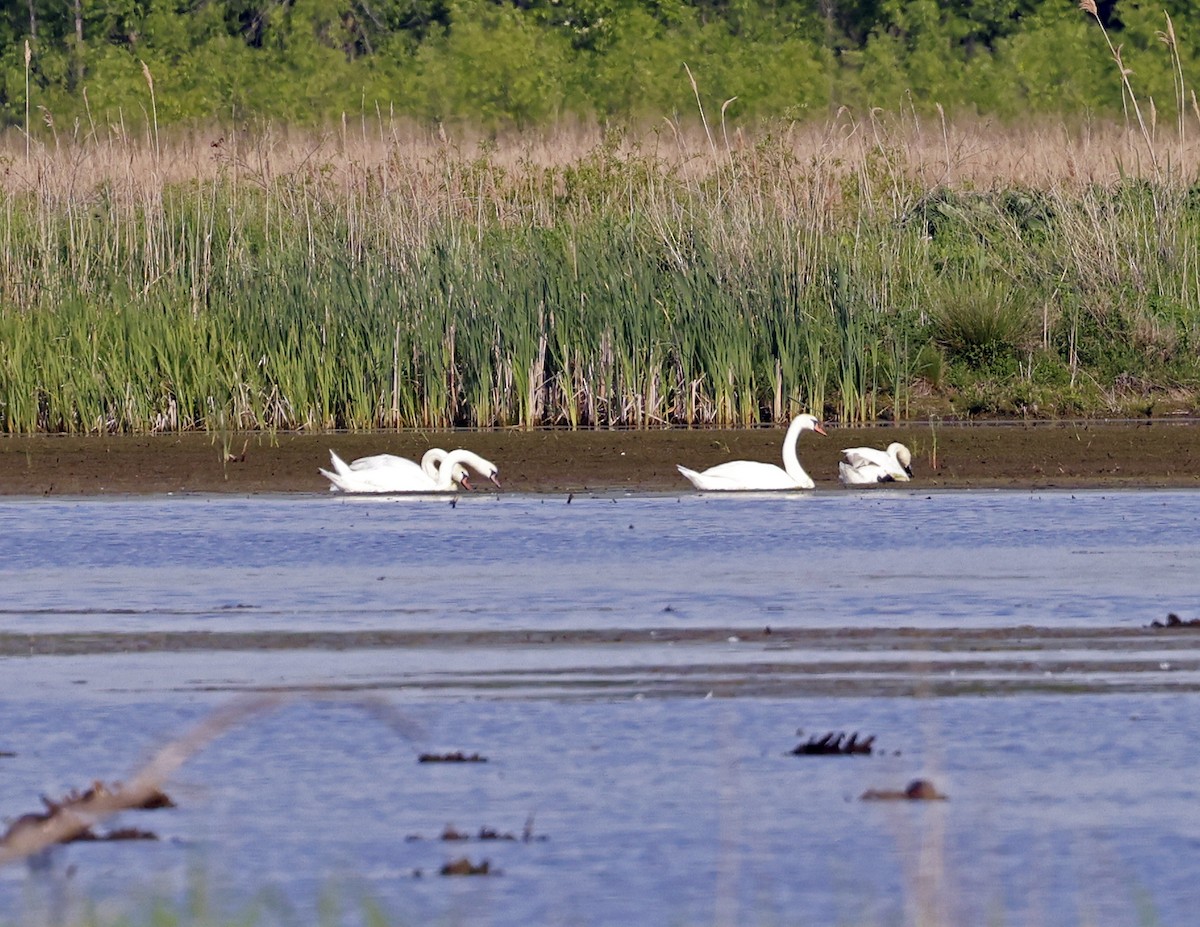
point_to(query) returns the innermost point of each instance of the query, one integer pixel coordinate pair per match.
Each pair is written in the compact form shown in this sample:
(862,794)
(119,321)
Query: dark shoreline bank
(1153,453)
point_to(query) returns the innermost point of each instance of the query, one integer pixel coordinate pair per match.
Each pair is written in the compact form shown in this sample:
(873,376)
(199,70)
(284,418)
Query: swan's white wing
(863,475)
(381,460)
(382,479)
(865,456)
(386,473)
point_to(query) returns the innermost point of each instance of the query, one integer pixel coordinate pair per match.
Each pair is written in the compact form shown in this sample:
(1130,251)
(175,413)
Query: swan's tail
(341,470)
(339,465)
(333,478)
(692,476)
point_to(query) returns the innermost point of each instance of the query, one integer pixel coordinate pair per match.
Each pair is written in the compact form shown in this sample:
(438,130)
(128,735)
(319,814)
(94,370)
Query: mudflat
(1150,453)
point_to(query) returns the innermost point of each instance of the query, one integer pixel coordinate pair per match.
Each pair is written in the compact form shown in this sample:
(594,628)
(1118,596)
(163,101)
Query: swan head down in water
(755,475)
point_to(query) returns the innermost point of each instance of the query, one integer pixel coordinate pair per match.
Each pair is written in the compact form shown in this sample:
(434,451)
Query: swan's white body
(863,474)
(753,475)
(430,464)
(865,465)
(388,473)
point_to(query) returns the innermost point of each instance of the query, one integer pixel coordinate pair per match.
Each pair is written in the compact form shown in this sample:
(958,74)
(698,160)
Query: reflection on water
(657,768)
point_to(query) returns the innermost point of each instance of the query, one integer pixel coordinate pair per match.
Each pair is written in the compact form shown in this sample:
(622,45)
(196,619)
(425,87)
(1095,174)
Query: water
(634,669)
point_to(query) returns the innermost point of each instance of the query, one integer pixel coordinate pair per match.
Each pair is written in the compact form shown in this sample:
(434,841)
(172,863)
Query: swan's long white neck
(467,458)
(791,463)
(432,461)
(445,471)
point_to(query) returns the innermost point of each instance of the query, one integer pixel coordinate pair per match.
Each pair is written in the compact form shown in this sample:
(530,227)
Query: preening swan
(865,465)
(863,474)
(750,474)
(388,473)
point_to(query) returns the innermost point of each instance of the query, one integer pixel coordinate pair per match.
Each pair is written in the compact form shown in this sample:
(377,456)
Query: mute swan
(750,474)
(387,473)
(430,463)
(391,468)
(865,465)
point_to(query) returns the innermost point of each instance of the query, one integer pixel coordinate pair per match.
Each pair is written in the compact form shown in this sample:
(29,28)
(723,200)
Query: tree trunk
(78,44)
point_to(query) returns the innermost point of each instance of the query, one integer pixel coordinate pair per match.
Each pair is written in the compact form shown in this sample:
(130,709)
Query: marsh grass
(256,279)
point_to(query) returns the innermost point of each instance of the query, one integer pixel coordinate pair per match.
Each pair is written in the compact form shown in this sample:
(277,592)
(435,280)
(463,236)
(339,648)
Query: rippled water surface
(635,670)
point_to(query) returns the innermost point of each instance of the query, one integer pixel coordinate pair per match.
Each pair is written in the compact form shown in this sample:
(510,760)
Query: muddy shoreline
(995,455)
(728,662)
(880,640)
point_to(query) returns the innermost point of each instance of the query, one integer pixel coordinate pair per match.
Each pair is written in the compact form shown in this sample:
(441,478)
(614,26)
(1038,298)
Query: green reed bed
(619,290)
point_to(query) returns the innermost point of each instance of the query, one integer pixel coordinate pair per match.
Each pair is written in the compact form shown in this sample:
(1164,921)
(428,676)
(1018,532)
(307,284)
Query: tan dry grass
(971,153)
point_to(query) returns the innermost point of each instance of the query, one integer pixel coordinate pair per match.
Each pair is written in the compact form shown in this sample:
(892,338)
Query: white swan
(430,463)
(750,474)
(388,473)
(392,469)
(865,465)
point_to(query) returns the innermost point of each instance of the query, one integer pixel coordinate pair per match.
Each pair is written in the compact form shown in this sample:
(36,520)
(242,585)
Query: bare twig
(34,833)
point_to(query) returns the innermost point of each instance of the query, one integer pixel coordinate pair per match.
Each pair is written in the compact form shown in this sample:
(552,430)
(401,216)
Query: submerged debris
(834,744)
(1174,621)
(121,833)
(464,867)
(452,833)
(456,757)
(917,790)
(485,833)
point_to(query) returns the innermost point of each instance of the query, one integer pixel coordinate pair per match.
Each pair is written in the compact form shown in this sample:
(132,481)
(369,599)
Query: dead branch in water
(72,817)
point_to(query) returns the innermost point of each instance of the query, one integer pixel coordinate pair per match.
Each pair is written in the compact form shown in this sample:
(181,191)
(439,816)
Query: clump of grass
(981,323)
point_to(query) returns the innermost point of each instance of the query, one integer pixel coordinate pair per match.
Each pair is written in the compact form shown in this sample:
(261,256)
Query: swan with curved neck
(751,474)
(865,465)
(388,473)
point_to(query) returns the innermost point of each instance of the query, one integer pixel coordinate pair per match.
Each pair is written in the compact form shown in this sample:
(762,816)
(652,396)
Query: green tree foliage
(522,62)
(494,63)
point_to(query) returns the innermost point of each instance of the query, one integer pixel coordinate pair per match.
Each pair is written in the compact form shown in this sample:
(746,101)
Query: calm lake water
(650,761)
